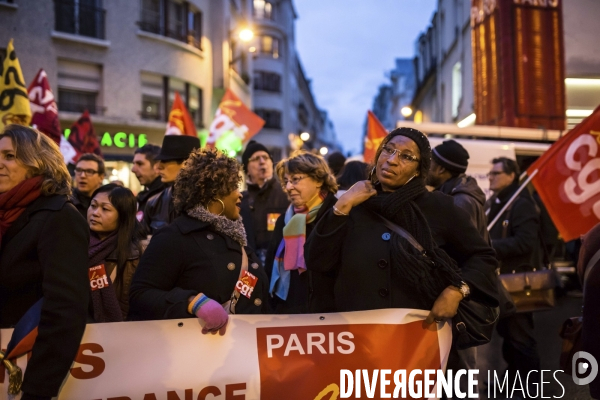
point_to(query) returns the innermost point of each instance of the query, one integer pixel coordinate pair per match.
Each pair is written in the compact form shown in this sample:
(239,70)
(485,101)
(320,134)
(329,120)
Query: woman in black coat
(311,187)
(192,267)
(43,255)
(377,268)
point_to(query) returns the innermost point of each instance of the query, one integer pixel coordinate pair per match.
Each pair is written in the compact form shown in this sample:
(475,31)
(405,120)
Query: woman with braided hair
(376,267)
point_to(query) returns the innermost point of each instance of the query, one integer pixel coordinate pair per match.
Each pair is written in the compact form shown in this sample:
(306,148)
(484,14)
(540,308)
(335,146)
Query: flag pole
(512,199)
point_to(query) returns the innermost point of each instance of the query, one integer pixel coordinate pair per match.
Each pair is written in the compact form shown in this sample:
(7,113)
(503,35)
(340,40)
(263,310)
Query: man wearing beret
(264,200)
(449,161)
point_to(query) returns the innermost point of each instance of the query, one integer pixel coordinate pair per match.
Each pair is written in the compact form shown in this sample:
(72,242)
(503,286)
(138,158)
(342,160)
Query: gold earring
(223,204)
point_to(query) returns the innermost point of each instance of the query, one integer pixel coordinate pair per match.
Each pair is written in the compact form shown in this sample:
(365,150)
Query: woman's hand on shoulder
(360,192)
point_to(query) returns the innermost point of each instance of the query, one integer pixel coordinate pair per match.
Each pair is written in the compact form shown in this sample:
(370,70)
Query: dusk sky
(347,46)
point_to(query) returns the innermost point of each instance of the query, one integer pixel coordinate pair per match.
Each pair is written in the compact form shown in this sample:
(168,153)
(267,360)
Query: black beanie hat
(252,148)
(452,156)
(422,143)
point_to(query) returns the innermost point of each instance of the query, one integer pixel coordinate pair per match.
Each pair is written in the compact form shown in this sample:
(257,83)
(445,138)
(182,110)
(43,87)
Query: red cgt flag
(43,107)
(233,115)
(567,177)
(83,138)
(180,122)
(375,134)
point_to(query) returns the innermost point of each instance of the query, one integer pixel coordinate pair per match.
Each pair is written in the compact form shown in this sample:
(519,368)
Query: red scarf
(16,200)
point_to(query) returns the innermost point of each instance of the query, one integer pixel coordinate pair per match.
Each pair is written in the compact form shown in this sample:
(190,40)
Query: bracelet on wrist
(196,303)
(337,211)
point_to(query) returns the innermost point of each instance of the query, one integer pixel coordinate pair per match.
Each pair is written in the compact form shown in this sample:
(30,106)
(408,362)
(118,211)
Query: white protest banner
(260,357)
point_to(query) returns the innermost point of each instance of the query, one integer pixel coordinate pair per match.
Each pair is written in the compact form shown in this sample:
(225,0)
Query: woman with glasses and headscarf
(377,268)
(311,188)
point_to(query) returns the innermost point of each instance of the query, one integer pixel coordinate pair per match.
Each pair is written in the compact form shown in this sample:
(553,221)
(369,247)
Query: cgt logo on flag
(567,178)
(287,355)
(233,116)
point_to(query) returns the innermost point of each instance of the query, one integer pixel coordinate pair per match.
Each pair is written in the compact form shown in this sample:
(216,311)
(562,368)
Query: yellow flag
(14,104)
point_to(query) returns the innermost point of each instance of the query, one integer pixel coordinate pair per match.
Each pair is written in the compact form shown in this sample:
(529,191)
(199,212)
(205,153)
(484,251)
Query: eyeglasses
(493,174)
(87,172)
(294,181)
(404,157)
(258,158)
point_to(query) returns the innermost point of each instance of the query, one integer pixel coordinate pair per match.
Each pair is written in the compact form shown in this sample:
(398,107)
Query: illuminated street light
(305,136)
(406,111)
(323,150)
(246,35)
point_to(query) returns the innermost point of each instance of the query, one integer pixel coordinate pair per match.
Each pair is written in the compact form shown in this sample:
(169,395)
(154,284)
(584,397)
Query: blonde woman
(311,187)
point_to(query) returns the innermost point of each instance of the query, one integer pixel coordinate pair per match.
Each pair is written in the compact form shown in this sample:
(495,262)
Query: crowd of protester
(316,239)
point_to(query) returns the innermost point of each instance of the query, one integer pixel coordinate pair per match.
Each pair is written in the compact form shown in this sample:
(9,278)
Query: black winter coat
(257,204)
(142,197)
(80,201)
(310,292)
(358,248)
(520,250)
(469,197)
(186,258)
(44,253)
(159,211)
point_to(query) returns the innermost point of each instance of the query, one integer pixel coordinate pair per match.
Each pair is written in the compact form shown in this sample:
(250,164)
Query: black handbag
(474,322)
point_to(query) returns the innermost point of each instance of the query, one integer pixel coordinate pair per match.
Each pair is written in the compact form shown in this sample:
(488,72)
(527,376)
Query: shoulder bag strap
(402,232)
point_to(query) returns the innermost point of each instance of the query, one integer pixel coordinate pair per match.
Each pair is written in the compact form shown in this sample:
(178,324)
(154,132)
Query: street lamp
(406,111)
(305,136)
(323,150)
(246,35)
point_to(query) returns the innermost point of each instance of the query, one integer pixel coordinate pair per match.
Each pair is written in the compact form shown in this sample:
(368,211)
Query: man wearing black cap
(449,161)
(175,150)
(264,200)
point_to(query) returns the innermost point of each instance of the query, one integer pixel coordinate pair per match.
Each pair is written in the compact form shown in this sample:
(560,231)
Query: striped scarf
(290,253)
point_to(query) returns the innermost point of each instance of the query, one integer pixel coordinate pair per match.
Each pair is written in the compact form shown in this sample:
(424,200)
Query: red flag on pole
(43,107)
(375,134)
(180,122)
(83,138)
(567,178)
(233,115)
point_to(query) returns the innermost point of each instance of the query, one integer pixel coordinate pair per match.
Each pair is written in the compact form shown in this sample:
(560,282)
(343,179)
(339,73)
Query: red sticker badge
(98,277)
(245,285)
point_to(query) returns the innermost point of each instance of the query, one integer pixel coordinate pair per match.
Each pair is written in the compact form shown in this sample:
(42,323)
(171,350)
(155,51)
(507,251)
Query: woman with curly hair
(200,265)
(311,187)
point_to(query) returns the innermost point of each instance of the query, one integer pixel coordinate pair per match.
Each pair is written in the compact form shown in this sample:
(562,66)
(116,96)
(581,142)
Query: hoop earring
(411,178)
(222,204)
(373,174)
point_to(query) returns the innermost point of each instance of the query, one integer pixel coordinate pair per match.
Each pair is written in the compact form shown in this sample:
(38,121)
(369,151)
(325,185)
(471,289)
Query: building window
(77,101)
(263,9)
(267,81)
(79,86)
(269,45)
(272,117)
(456,88)
(158,95)
(179,20)
(80,17)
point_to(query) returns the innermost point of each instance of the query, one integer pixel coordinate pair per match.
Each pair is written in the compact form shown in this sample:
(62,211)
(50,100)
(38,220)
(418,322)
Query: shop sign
(119,140)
